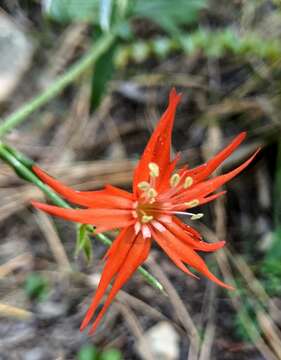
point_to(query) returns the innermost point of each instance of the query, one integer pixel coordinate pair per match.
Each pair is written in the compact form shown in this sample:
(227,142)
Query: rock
(49,310)
(16,52)
(37,353)
(163,341)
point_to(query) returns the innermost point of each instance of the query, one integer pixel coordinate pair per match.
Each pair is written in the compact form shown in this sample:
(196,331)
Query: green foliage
(103,72)
(163,12)
(245,321)
(168,14)
(271,265)
(72,10)
(271,271)
(211,43)
(111,354)
(36,286)
(83,242)
(89,352)
(105,14)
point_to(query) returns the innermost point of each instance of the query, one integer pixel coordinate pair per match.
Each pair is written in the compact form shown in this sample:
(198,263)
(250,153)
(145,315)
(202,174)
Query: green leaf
(103,72)
(88,352)
(275,251)
(105,14)
(83,242)
(72,10)
(168,14)
(111,354)
(36,286)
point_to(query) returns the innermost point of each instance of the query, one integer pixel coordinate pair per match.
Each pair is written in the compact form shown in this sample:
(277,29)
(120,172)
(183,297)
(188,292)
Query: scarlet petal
(207,187)
(172,253)
(118,192)
(113,197)
(182,237)
(165,179)
(210,198)
(105,218)
(135,257)
(186,228)
(215,162)
(158,148)
(118,253)
(185,253)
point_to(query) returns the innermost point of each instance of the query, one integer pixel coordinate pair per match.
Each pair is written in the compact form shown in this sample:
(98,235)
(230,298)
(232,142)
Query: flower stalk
(20,163)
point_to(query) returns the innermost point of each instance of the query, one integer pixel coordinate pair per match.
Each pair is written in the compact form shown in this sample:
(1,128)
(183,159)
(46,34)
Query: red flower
(159,194)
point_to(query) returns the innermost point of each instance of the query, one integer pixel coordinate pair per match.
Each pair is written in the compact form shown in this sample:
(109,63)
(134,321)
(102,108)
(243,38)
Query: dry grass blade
(48,229)
(270,330)
(213,143)
(86,175)
(14,264)
(252,282)
(179,307)
(135,327)
(236,300)
(14,312)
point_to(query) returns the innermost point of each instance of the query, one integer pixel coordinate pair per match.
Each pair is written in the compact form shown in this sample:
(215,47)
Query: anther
(144,185)
(196,216)
(151,193)
(187,182)
(174,180)
(154,169)
(146,218)
(192,203)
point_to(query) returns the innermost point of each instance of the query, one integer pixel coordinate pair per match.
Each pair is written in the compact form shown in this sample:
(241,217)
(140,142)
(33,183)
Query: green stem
(28,175)
(68,77)
(13,158)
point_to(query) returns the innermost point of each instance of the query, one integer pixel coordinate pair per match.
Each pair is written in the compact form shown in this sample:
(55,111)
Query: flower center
(151,207)
(146,212)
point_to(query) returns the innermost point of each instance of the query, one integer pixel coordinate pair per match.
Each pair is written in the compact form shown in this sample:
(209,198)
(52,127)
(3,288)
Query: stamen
(154,169)
(172,212)
(196,216)
(187,182)
(174,180)
(151,193)
(192,203)
(146,218)
(144,185)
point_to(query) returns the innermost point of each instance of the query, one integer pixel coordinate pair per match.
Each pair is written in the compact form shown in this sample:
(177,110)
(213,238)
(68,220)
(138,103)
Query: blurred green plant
(106,13)
(245,321)
(111,354)
(210,43)
(90,352)
(83,241)
(36,287)
(271,265)
(118,16)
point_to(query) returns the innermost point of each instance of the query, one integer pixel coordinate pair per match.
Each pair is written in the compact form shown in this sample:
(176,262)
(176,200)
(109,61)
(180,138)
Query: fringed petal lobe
(105,218)
(109,198)
(135,257)
(216,161)
(186,255)
(158,148)
(119,251)
(205,188)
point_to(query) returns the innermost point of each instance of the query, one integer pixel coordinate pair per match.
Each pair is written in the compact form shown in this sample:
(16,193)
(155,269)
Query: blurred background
(82,85)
